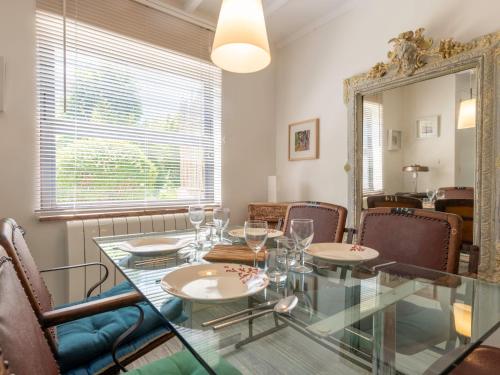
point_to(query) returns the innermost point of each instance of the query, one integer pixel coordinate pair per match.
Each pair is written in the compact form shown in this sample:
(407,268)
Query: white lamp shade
(240,42)
(467,114)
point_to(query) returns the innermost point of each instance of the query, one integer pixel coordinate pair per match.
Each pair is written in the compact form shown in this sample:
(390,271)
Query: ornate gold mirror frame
(416,58)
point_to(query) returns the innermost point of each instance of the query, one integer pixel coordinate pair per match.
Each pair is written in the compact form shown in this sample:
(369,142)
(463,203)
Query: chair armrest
(70,313)
(93,287)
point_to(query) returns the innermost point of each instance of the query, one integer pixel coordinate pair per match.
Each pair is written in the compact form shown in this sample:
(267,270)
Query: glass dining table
(350,319)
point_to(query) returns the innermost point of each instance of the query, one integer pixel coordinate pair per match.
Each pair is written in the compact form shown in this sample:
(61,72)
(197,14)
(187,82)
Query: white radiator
(82,249)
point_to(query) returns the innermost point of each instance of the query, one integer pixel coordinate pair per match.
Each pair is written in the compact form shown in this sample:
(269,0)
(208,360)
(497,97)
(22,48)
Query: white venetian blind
(129,108)
(372,147)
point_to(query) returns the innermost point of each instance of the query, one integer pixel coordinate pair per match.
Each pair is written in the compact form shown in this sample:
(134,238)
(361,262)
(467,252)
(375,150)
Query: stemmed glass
(302,231)
(221,220)
(196,217)
(255,236)
(440,194)
(430,194)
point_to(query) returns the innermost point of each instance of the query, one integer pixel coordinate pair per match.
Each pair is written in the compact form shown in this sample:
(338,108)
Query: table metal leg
(384,346)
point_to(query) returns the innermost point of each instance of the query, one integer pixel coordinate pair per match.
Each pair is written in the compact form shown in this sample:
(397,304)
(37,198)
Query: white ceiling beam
(162,6)
(191,5)
(271,6)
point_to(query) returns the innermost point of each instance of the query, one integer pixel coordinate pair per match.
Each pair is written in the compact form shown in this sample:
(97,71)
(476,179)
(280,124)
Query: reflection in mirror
(419,140)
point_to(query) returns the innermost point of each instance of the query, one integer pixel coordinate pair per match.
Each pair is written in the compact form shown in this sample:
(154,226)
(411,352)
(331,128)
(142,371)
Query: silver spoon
(283,306)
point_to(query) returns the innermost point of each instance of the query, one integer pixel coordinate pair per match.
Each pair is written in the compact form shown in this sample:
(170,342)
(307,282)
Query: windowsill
(112,214)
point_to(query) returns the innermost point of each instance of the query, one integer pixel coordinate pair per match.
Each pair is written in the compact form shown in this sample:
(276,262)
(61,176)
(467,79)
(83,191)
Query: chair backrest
(12,240)
(329,219)
(374,201)
(463,208)
(458,192)
(21,338)
(419,237)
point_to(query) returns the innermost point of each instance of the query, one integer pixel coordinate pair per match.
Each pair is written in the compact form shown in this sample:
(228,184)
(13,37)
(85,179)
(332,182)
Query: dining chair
(103,332)
(419,237)
(483,360)
(26,350)
(427,239)
(374,201)
(329,219)
(458,192)
(463,208)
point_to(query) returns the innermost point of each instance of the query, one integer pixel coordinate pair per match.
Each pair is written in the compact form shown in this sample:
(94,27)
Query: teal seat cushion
(184,363)
(83,341)
(104,361)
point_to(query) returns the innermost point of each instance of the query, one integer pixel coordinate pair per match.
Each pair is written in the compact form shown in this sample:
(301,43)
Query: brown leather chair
(23,342)
(426,239)
(329,219)
(463,208)
(458,192)
(24,349)
(483,360)
(418,237)
(374,201)
(12,240)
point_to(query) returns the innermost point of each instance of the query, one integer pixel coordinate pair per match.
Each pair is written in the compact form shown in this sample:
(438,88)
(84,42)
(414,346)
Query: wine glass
(221,220)
(440,194)
(302,231)
(255,236)
(430,194)
(196,217)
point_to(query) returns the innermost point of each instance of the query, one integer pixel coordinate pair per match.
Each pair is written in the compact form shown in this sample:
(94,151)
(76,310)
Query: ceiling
(286,19)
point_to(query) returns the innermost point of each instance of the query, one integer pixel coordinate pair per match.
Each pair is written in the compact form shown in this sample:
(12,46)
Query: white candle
(271,189)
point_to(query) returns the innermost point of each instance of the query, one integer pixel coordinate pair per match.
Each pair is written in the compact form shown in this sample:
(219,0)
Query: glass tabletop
(350,319)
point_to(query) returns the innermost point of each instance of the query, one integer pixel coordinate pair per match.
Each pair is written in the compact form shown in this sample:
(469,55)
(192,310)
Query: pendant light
(467,112)
(240,42)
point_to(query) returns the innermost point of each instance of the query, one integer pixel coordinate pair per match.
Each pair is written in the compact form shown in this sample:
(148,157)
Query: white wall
(248,139)
(311,70)
(393,102)
(435,97)
(248,118)
(465,146)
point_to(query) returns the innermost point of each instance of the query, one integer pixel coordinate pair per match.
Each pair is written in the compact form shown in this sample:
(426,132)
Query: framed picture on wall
(428,127)
(393,140)
(303,140)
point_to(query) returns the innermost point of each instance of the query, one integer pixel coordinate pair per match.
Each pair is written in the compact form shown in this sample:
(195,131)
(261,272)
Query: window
(372,147)
(123,123)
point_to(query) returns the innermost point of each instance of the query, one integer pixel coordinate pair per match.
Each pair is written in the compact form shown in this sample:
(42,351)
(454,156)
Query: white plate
(341,252)
(214,282)
(156,245)
(240,233)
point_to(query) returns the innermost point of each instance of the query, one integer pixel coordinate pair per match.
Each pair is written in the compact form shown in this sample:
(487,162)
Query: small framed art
(393,140)
(303,140)
(428,127)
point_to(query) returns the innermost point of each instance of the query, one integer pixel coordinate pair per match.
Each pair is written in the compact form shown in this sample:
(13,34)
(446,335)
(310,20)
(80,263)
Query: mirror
(425,120)
(420,138)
